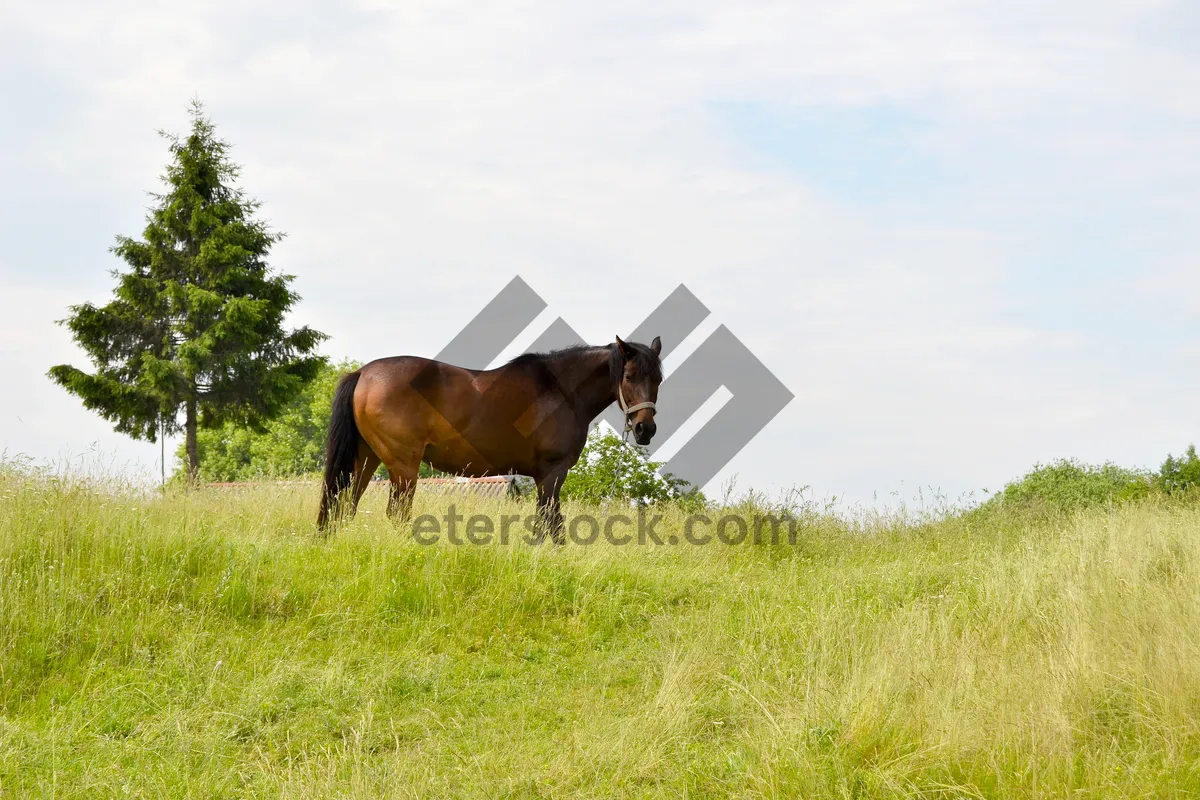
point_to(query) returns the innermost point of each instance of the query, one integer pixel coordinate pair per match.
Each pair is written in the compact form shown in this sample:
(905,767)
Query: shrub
(1179,474)
(609,468)
(1067,485)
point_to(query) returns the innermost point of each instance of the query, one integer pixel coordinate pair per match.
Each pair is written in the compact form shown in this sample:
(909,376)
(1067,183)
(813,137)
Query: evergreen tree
(195,329)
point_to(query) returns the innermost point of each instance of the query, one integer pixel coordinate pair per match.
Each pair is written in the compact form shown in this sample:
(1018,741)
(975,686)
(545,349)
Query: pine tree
(195,329)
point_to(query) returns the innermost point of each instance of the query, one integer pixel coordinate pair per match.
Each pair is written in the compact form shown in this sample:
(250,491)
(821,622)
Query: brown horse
(528,417)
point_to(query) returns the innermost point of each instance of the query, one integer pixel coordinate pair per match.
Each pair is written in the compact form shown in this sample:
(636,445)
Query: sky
(963,234)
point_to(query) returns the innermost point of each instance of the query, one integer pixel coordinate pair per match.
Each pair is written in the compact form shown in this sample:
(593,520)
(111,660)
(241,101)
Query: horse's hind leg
(403,475)
(344,506)
(364,470)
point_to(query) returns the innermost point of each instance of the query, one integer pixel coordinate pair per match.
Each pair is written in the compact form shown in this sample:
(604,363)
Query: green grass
(211,645)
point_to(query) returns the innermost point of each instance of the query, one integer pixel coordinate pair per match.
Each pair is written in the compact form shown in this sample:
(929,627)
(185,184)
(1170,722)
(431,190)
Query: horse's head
(637,387)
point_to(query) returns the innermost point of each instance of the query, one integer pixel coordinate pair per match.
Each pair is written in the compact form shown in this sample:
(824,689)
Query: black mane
(648,363)
(551,355)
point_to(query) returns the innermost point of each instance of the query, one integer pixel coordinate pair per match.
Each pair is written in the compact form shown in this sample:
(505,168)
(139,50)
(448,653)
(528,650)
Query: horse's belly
(458,457)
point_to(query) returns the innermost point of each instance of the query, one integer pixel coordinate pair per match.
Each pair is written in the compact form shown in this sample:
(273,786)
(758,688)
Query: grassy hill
(211,645)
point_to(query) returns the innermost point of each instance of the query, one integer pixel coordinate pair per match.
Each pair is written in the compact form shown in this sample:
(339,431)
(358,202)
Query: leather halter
(628,409)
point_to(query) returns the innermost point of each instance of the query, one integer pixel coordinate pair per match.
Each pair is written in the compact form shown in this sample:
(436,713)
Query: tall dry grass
(212,645)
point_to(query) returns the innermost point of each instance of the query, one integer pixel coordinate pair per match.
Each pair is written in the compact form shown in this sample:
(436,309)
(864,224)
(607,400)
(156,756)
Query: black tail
(341,447)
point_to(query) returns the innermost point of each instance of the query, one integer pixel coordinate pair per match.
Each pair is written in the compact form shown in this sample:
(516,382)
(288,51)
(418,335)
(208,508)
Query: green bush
(608,468)
(1179,474)
(1067,485)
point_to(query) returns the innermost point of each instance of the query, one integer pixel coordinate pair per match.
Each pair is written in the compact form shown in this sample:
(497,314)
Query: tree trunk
(193,454)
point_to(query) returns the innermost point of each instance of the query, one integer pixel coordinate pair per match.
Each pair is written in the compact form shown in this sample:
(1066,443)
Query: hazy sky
(964,234)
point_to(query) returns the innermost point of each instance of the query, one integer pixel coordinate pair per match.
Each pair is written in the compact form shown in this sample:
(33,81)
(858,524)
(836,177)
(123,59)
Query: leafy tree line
(194,337)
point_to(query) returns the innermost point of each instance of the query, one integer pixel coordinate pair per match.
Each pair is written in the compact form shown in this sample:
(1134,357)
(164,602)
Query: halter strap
(627,409)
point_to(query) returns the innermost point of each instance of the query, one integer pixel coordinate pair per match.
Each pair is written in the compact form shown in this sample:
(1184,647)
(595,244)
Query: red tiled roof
(490,486)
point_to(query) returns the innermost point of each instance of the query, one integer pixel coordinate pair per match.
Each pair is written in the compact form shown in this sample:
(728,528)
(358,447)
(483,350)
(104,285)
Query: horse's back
(387,382)
(426,395)
(458,419)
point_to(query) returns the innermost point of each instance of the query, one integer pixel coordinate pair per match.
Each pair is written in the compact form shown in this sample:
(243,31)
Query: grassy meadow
(210,644)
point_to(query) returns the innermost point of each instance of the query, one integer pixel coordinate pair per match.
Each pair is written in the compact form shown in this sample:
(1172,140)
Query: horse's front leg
(399,507)
(550,518)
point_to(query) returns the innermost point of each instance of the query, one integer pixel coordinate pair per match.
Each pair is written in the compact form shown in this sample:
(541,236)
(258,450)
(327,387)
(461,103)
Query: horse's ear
(626,350)
(656,346)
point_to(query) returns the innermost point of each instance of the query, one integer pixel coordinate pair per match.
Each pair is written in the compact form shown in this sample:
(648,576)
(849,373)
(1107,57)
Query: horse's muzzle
(643,432)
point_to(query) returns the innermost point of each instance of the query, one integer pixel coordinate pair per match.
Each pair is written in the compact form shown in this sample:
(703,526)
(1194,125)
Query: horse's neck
(592,383)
